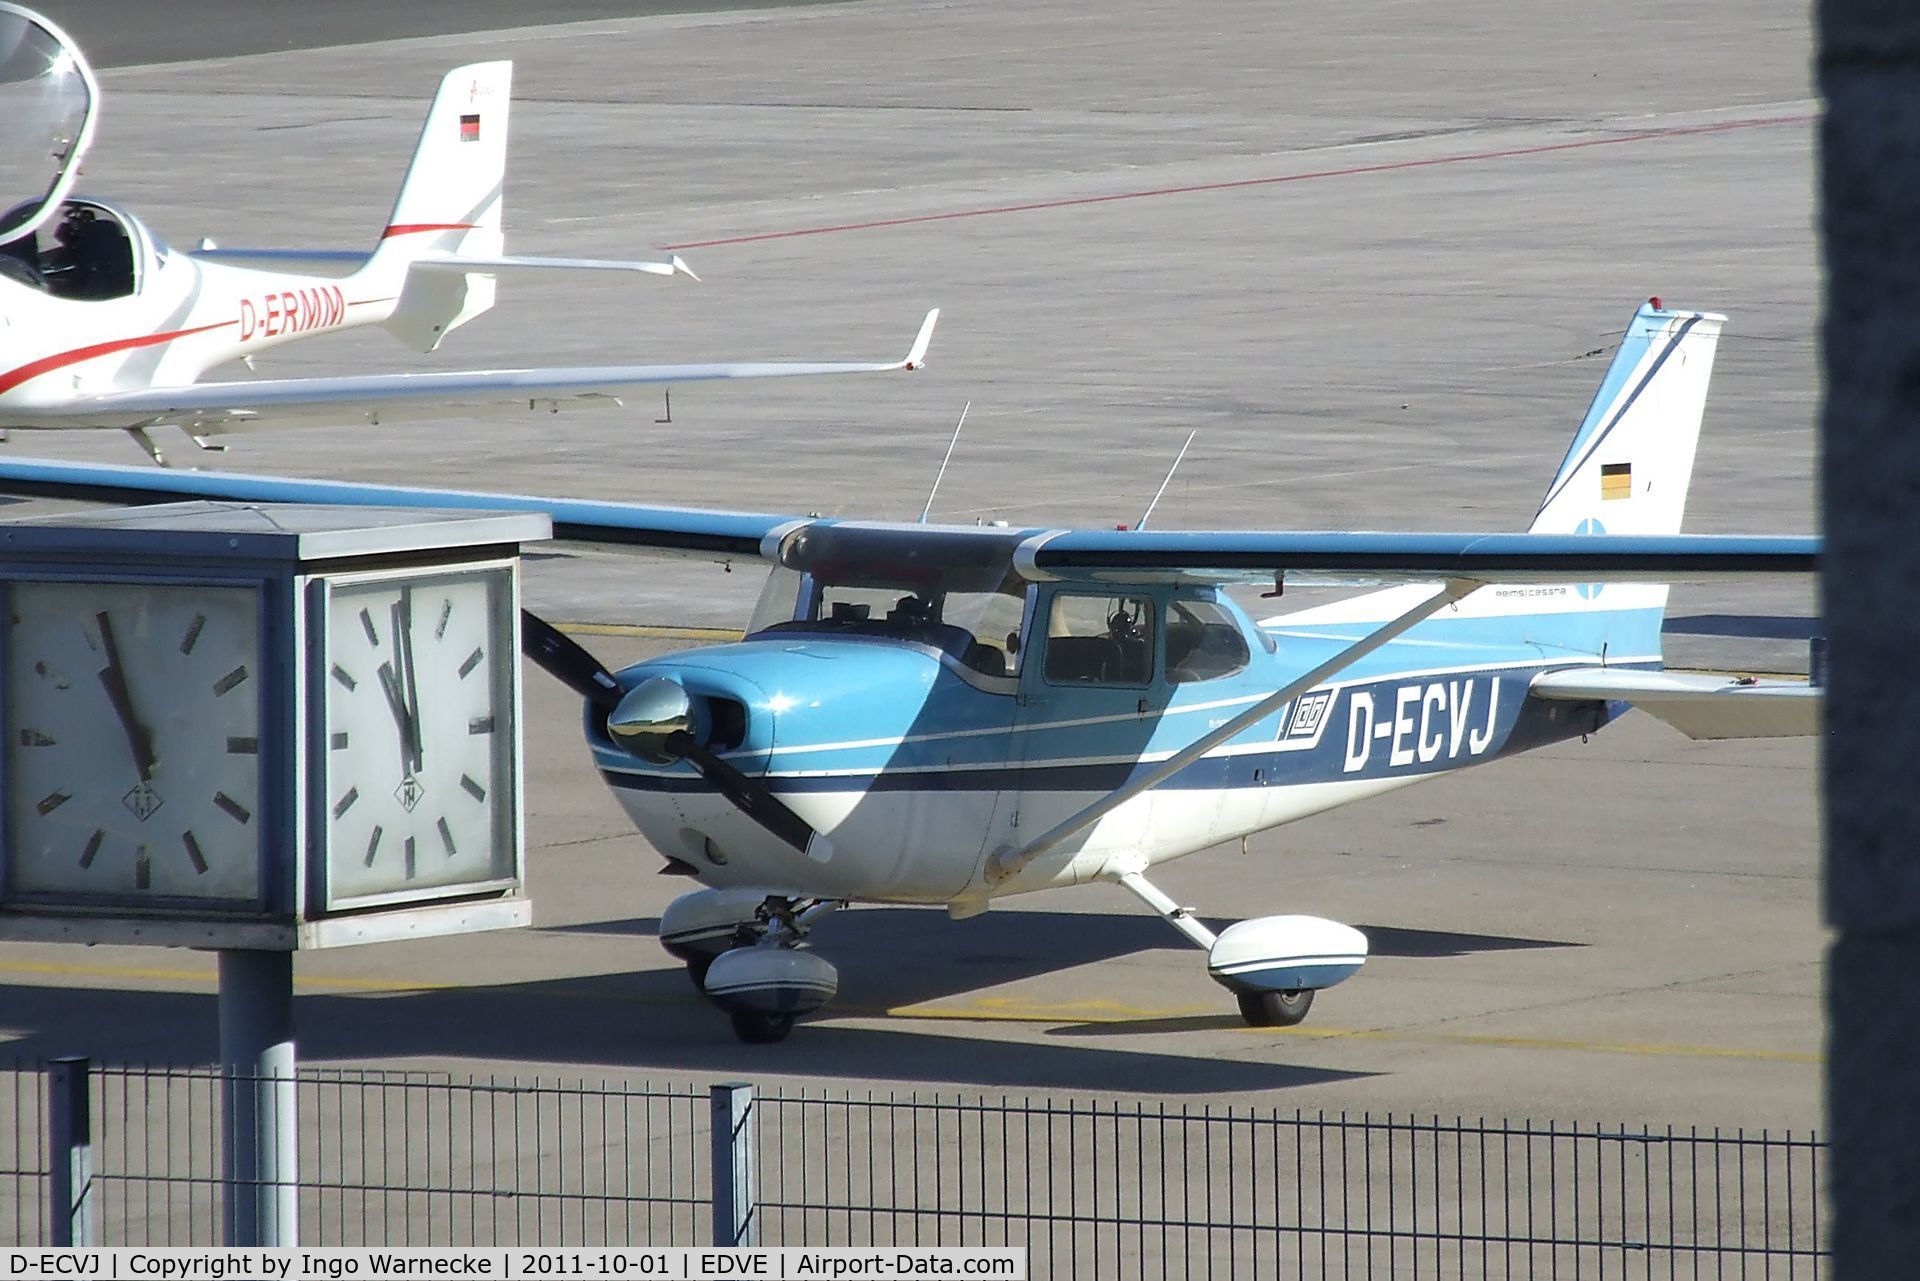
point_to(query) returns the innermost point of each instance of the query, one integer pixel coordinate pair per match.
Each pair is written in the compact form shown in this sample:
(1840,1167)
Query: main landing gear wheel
(756,1028)
(1275,1009)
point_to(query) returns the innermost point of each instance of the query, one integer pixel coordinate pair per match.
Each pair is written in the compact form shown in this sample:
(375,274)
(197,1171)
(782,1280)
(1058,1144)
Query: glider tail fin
(449,206)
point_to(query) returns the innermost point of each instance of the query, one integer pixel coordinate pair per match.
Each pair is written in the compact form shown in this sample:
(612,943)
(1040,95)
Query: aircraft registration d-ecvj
(103,326)
(927,714)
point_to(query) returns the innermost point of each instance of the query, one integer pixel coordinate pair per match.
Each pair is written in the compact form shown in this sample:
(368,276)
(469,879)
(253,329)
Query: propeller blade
(564,658)
(751,798)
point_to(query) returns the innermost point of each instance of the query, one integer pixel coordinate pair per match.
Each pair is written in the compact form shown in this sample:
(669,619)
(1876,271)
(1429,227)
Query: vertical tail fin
(1626,472)
(449,205)
(1628,468)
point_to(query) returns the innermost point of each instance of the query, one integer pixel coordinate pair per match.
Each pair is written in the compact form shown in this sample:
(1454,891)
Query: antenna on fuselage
(1142,522)
(941,475)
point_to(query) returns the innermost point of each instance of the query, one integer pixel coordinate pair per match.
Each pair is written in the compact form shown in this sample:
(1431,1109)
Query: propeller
(654,720)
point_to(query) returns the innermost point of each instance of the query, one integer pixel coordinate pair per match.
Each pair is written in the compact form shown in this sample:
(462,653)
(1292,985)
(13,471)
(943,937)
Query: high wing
(344,261)
(814,543)
(215,408)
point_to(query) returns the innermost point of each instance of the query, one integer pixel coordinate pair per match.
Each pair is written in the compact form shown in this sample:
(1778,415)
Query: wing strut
(1005,862)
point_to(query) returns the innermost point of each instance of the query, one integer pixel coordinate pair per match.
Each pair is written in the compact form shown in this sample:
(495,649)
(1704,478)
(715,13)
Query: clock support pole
(260,1163)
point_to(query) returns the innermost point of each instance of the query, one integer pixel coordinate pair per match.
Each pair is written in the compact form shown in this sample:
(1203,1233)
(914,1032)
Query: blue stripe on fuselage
(1400,726)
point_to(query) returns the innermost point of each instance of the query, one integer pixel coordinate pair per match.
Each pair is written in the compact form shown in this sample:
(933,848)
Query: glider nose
(650,713)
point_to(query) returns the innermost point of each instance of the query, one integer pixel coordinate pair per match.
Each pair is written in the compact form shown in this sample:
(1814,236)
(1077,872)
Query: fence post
(733,1126)
(70,1135)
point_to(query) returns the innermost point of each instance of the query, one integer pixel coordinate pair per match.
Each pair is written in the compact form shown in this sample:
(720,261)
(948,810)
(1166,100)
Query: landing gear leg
(1258,1008)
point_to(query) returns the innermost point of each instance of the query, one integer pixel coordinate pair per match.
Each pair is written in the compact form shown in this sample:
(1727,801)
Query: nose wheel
(1275,1009)
(756,1028)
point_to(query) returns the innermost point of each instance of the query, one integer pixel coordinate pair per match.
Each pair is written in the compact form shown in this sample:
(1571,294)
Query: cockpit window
(1100,640)
(981,629)
(1204,642)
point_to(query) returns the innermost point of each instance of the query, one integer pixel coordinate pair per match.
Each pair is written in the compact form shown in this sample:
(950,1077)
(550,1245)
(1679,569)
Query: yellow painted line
(1000,1010)
(984,1010)
(206,978)
(651,631)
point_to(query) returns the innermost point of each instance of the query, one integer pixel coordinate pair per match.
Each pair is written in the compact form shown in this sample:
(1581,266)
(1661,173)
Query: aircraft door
(1091,693)
(47,96)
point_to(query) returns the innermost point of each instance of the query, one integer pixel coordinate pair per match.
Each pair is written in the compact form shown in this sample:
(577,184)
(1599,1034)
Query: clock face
(418,691)
(132,722)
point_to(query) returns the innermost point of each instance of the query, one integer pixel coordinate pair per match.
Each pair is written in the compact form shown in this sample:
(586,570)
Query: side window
(1100,640)
(1203,642)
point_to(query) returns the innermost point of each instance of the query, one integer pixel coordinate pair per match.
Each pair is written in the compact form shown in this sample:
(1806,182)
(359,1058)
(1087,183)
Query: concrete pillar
(260,1165)
(1869,70)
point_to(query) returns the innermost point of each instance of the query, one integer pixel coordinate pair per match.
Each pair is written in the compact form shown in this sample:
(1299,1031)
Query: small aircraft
(104,326)
(948,715)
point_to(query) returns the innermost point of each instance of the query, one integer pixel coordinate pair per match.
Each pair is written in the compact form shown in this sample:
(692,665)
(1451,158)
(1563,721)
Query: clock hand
(404,684)
(402,719)
(114,677)
(403,632)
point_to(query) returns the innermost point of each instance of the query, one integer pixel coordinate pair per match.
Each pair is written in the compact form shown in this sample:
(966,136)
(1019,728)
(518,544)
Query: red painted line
(415,228)
(46,364)
(1507,153)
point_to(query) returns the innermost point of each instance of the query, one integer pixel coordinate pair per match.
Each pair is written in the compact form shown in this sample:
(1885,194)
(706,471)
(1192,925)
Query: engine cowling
(709,922)
(1285,954)
(771,980)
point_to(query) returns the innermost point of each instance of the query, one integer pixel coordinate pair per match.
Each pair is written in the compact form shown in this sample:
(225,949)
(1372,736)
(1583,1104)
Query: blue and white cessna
(926,714)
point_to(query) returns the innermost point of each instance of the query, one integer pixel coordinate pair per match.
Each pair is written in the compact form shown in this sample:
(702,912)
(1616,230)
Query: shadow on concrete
(648,1020)
(1757,626)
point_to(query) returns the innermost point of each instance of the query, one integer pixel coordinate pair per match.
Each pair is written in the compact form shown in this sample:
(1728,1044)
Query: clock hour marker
(194,855)
(373,846)
(234,809)
(231,679)
(410,866)
(243,747)
(93,847)
(446,838)
(143,870)
(473,661)
(192,637)
(480,725)
(366,622)
(345,803)
(339,741)
(446,612)
(52,801)
(340,674)
(34,738)
(474,789)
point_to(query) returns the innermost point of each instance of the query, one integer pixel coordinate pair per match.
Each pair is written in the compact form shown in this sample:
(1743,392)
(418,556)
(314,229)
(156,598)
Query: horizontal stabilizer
(1699,705)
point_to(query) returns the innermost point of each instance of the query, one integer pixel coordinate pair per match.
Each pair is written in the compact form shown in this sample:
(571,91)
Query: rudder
(450,203)
(1629,466)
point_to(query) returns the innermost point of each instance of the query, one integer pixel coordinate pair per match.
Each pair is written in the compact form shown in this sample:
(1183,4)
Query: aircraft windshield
(46,98)
(981,629)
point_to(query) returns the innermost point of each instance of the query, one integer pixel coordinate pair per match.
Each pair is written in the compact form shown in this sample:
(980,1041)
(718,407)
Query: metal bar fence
(1091,1188)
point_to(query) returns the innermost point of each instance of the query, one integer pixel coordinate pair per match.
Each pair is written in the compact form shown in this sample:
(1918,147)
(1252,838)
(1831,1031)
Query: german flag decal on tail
(1616,480)
(470,128)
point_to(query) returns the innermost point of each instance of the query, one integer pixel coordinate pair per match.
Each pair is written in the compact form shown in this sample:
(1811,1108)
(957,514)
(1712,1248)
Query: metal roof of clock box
(261,727)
